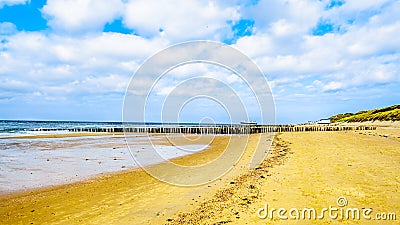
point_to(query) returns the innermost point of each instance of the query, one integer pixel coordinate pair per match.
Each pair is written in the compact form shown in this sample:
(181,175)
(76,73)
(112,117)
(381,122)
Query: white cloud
(49,49)
(12,2)
(81,15)
(91,84)
(74,58)
(333,86)
(360,5)
(7,28)
(10,84)
(282,28)
(366,54)
(257,45)
(56,65)
(293,14)
(179,20)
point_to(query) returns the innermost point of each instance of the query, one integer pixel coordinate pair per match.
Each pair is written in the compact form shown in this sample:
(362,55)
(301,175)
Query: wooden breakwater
(223,129)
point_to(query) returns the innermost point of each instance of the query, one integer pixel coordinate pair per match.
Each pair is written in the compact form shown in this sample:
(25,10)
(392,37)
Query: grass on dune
(391,113)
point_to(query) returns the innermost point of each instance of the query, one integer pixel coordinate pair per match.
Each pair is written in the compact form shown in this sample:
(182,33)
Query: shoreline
(87,156)
(62,135)
(95,177)
(148,194)
(304,169)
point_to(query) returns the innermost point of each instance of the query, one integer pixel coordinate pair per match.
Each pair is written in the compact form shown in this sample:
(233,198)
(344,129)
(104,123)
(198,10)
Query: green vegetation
(391,113)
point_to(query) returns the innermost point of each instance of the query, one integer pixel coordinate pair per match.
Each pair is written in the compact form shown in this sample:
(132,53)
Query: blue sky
(73,59)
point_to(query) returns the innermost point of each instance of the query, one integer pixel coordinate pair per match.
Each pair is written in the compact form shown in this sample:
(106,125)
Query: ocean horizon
(30,127)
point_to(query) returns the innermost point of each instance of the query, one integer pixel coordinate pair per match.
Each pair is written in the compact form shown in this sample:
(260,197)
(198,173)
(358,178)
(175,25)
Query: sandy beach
(304,169)
(313,170)
(248,112)
(129,197)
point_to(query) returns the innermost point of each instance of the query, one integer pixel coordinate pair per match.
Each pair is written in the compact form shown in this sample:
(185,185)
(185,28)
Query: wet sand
(44,160)
(129,197)
(308,169)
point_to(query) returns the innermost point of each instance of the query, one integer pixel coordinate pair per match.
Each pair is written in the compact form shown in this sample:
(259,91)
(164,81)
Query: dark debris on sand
(229,203)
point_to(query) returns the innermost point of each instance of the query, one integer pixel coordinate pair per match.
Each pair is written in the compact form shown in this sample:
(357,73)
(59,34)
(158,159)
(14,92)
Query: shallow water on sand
(38,162)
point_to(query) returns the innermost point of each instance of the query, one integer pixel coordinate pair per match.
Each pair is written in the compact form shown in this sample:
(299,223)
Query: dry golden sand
(320,167)
(308,169)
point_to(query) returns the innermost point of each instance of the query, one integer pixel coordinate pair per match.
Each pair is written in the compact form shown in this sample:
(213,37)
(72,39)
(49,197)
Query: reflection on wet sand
(27,163)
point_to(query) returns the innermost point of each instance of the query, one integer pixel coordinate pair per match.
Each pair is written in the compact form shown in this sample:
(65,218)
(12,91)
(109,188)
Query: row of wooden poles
(234,129)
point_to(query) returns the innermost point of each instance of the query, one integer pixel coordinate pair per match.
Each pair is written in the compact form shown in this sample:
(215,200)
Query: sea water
(27,163)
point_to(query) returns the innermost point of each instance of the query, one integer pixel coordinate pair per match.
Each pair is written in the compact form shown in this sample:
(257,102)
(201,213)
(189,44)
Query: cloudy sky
(73,59)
